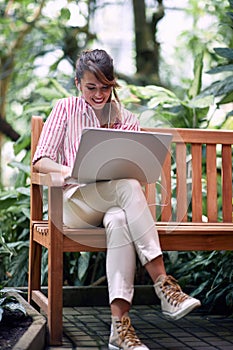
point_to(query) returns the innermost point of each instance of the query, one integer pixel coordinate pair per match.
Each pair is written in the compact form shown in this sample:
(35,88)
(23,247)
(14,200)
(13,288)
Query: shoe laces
(127,333)
(172,291)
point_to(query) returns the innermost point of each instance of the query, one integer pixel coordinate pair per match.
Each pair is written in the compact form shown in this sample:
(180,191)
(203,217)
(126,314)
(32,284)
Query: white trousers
(119,205)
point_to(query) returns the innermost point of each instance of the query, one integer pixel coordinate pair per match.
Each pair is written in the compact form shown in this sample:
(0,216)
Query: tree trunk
(147,47)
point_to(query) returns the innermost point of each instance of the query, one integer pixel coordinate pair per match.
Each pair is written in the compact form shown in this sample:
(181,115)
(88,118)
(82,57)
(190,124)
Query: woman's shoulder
(71,103)
(70,100)
(128,119)
(127,114)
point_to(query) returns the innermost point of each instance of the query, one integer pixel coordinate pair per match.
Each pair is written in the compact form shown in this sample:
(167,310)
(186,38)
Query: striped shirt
(62,130)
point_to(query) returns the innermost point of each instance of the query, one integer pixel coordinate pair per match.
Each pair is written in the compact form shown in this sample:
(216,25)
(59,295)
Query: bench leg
(55,295)
(34,273)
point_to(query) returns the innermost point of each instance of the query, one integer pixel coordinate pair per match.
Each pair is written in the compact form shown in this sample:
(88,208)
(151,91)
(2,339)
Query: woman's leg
(128,195)
(87,206)
(120,261)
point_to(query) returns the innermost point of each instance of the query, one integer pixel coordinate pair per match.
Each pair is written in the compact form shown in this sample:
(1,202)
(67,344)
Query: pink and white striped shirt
(62,130)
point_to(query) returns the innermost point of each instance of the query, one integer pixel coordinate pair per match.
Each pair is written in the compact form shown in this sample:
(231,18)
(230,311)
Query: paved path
(87,328)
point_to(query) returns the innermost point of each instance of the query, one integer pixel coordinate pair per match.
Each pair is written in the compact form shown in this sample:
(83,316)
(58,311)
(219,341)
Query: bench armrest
(50,179)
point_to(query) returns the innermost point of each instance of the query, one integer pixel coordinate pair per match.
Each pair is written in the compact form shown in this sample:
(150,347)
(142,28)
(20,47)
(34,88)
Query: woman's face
(94,92)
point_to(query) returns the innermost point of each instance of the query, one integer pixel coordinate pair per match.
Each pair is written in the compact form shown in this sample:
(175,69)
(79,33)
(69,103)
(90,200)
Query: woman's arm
(47,165)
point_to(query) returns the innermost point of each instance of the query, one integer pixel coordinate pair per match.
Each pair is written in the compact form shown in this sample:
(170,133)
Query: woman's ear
(78,86)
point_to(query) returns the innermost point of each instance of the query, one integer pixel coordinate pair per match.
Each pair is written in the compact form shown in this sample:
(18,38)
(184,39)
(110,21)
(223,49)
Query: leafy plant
(208,275)
(158,106)
(14,226)
(222,89)
(10,304)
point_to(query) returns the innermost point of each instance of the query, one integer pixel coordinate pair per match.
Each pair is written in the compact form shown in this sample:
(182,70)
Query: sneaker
(123,336)
(174,303)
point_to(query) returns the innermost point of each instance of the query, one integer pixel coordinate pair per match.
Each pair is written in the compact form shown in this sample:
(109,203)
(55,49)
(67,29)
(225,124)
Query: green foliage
(14,226)
(208,274)
(222,90)
(157,106)
(10,303)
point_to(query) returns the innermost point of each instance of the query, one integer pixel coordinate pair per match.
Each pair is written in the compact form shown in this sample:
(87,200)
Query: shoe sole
(182,313)
(113,347)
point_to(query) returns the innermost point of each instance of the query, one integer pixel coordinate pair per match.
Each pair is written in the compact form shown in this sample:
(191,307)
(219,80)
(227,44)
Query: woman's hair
(100,63)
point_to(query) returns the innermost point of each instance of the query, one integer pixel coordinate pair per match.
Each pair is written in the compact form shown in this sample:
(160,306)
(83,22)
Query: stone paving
(87,328)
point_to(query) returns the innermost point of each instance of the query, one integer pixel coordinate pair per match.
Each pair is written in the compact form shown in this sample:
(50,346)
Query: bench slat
(181,179)
(185,135)
(196,182)
(166,195)
(227,182)
(211,177)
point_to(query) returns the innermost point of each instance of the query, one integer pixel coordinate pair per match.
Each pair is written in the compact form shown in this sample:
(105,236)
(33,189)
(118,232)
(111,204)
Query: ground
(12,328)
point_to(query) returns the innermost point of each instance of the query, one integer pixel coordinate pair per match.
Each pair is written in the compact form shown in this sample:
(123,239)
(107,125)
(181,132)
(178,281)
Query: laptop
(109,154)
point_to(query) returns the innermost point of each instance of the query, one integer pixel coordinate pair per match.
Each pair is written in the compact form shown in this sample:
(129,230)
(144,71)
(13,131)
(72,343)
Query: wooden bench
(197,173)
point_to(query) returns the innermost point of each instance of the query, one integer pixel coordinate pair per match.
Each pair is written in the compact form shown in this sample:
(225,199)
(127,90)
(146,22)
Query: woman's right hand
(47,165)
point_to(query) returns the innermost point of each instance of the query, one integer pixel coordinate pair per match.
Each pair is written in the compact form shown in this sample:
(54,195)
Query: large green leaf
(22,167)
(196,83)
(48,93)
(83,264)
(228,98)
(24,190)
(15,307)
(221,69)
(7,201)
(225,86)
(224,52)
(22,143)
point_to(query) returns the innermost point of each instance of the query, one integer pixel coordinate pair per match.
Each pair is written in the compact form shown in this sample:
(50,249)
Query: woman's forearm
(47,165)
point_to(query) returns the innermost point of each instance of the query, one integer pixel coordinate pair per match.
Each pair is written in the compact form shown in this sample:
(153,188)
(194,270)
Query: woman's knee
(117,231)
(114,218)
(132,184)
(130,192)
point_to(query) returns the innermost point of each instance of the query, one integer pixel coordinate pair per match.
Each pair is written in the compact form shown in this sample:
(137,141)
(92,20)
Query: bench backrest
(196,182)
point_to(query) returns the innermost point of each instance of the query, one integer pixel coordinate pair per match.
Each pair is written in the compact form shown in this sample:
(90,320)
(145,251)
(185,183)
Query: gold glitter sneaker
(174,302)
(123,336)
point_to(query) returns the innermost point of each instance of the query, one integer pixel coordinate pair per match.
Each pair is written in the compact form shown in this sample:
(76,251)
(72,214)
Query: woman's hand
(47,165)
(66,171)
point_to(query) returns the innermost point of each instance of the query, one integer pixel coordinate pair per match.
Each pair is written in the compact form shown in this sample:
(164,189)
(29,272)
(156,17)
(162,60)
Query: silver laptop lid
(108,154)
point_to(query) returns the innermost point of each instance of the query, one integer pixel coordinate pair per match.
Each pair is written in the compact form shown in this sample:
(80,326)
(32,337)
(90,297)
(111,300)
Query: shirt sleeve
(52,134)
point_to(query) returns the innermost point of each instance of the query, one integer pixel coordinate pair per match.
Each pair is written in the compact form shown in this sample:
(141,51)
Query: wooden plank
(227,182)
(196,182)
(209,136)
(43,240)
(195,236)
(150,197)
(218,227)
(211,176)
(34,272)
(166,189)
(40,299)
(55,264)
(191,241)
(181,190)
(36,128)
(50,180)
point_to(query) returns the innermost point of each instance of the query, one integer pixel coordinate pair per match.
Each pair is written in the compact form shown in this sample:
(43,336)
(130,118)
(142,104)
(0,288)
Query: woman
(119,205)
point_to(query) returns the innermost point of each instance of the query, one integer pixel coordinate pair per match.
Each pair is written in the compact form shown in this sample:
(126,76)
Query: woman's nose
(98,92)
